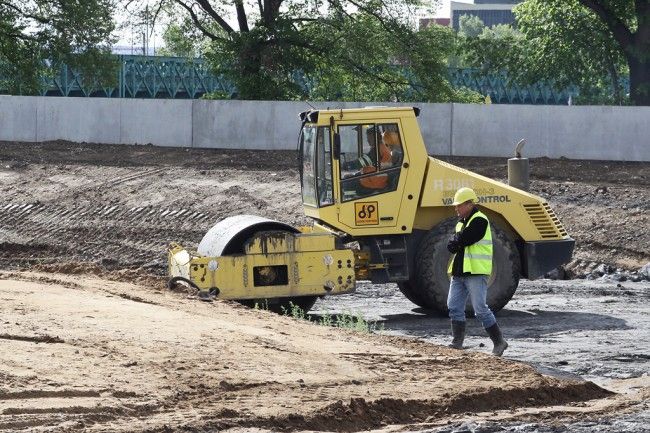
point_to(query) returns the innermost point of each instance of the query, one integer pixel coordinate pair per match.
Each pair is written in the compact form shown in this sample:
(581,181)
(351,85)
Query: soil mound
(124,357)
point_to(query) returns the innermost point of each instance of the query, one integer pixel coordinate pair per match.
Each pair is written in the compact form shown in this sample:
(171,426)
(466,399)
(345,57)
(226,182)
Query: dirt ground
(121,205)
(92,340)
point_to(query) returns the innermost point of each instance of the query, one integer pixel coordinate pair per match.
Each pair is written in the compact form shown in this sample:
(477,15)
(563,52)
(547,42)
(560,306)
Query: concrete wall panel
(18,118)
(601,133)
(246,124)
(78,119)
(435,125)
(577,132)
(494,130)
(162,122)
(275,125)
(252,124)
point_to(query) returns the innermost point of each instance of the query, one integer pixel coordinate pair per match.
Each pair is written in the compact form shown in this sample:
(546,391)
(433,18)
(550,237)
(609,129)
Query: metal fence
(181,78)
(143,77)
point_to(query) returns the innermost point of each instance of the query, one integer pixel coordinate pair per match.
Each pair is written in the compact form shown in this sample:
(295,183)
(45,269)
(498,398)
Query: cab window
(324,167)
(308,183)
(371,159)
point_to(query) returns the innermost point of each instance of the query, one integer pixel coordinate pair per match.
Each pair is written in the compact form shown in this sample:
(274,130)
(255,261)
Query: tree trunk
(616,85)
(639,79)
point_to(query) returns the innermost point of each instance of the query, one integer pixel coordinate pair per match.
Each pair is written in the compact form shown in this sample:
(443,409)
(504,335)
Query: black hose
(172,283)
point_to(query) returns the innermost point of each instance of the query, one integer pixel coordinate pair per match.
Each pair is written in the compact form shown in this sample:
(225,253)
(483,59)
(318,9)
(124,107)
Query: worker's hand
(453,245)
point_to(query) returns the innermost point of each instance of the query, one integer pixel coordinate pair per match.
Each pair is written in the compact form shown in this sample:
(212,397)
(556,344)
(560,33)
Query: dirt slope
(82,353)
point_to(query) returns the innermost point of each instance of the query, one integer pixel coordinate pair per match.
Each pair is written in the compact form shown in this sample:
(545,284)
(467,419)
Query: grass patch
(346,320)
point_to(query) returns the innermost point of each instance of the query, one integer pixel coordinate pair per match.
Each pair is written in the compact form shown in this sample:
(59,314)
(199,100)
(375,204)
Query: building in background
(427,22)
(491,12)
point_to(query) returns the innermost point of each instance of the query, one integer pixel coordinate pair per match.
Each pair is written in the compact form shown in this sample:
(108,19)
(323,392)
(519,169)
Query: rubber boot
(500,344)
(458,333)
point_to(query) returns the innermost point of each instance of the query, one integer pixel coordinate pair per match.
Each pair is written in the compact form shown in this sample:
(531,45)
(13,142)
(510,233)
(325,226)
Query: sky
(132,41)
(444,10)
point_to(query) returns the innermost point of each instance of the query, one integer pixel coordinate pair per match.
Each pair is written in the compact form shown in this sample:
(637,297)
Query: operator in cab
(367,163)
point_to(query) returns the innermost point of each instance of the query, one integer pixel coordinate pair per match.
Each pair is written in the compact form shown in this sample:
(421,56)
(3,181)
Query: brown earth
(121,205)
(81,353)
(84,349)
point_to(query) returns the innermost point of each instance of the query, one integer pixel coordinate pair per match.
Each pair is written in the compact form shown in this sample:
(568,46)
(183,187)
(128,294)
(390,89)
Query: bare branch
(241,16)
(197,22)
(24,14)
(207,7)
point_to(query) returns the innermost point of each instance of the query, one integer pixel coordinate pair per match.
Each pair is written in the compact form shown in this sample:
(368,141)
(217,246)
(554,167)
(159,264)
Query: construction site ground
(92,340)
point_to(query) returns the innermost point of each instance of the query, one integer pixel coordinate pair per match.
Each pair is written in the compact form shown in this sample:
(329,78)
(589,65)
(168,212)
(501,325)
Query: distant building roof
(427,22)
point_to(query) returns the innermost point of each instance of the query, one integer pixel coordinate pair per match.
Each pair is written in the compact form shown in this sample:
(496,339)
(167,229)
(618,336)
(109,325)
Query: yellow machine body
(296,264)
(388,205)
(424,192)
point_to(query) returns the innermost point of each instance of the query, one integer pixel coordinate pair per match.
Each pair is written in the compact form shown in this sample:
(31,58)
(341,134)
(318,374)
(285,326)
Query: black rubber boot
(500,344)
(458,332)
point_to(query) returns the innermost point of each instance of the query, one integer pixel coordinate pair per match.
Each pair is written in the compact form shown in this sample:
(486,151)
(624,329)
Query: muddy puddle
(590,330)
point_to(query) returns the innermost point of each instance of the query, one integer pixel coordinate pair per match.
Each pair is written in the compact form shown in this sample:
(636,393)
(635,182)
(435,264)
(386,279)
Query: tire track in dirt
(110,232)
(76,409)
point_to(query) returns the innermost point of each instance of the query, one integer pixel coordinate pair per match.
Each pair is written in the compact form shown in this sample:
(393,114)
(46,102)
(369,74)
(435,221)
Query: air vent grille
(547,223)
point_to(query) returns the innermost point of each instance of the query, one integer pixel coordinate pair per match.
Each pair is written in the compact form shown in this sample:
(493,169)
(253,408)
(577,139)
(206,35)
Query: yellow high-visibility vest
(477,259)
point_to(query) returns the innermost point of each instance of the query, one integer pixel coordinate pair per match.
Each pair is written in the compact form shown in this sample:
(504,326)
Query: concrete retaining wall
(605,133)
(18,119)
(596,132)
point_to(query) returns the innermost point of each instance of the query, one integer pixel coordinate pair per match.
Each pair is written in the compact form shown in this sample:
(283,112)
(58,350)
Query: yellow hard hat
(463,195)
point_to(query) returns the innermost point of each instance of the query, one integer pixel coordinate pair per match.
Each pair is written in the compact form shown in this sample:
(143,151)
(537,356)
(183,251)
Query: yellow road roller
(382,211)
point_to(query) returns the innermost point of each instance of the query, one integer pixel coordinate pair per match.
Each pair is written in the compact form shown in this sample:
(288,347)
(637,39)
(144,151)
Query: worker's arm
(474,232)
(471,234)
(357,164)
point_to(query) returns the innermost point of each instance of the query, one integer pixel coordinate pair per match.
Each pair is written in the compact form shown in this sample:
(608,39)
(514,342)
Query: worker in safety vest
(367,162)
(470,269)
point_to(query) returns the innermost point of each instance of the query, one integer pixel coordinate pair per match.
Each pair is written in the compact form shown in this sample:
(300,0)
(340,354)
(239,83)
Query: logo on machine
(366,213)
(482,199)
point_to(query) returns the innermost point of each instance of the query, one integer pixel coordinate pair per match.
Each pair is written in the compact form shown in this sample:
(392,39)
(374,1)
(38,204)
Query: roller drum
(229,235)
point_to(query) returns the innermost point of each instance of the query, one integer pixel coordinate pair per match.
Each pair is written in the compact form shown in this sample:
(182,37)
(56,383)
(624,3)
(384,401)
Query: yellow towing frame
(273,265)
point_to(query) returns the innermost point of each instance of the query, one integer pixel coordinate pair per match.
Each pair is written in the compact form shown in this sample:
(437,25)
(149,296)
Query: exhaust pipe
(519,169)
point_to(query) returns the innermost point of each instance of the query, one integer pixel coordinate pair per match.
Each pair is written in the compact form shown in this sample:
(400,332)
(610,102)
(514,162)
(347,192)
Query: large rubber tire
(409,290)
(430,286)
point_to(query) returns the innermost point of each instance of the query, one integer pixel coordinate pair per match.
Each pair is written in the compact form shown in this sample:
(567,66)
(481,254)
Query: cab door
(371,172)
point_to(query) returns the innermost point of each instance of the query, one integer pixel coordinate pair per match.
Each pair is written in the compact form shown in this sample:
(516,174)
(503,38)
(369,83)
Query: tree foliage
(330,49)
(37,36)
(568,44)
(490,49)
(591,41)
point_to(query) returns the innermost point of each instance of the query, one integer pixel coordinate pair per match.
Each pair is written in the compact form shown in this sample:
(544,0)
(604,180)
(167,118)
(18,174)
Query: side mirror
(337,146)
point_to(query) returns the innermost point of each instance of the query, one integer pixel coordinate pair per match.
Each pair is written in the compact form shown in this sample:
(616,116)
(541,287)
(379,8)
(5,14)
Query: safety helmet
(464,194)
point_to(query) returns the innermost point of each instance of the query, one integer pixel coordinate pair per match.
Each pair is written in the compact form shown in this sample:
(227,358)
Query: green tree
(470,26)
(37,36)
(590,43)
(491,49)
(373,60)
(182,39)
(349,49)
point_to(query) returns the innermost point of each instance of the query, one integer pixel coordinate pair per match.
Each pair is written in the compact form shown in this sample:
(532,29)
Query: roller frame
(230,254)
